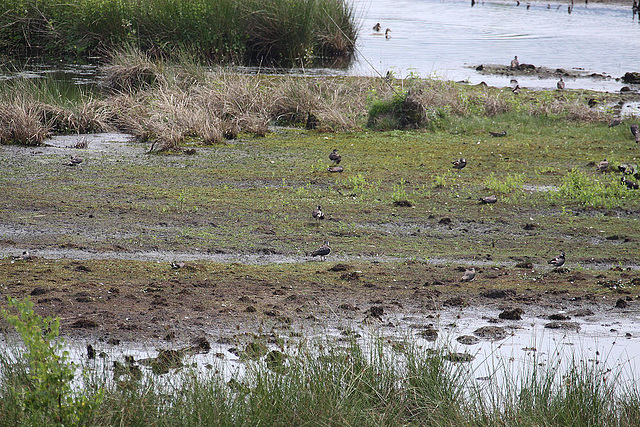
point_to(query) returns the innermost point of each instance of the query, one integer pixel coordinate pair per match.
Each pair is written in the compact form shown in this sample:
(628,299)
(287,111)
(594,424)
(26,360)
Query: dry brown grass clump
(20,122)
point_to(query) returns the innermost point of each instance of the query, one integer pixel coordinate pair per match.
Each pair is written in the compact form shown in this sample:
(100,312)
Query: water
(445,38)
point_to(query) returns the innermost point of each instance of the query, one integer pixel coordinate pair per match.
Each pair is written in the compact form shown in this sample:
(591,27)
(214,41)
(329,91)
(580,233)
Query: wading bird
(322,251)
(460,163)
(469,275)
(317,213)
(558,261)
(335,157)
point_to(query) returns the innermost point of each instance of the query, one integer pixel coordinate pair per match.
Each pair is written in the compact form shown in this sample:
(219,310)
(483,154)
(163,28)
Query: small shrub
(605,191)
(504,184)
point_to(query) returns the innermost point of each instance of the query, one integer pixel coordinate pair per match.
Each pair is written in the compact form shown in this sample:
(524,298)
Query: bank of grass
(274,32)
(170,104)
(373,382)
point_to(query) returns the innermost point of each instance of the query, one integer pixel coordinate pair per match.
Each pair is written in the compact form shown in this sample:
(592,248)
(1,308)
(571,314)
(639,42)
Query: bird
(469,275)
(498,134)
(460,163)
(635,131)
(488,199)
(386,33)
(615,122)
(516,89)
(322,251)
(560,84)
(603,165)
(377,27)
(630,184)
(335,157)
(317,213)
(338,169)
(74,161)
(176,264)
(557,261)
(515,63)
(627,169)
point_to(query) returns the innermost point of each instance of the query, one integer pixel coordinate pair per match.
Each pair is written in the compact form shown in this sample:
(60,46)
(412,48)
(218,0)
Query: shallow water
(446,37)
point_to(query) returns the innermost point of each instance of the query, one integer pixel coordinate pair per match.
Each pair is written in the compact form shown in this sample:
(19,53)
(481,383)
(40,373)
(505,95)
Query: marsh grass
(253,32)
(504,183)
(602,191)
(371,383)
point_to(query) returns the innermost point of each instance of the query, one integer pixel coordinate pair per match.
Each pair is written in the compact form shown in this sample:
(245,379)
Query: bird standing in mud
(335,157)
(558,261)
(469,275)
(560,85)
(603,166)
(317,213)
(460,163)
(515,63)
(322,251)
(635,131)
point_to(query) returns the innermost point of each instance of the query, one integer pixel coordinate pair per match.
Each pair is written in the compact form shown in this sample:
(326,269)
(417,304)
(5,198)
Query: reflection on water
(446,37)
(449,38)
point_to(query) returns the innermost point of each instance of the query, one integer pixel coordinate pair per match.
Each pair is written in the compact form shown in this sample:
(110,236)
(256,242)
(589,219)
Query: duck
(317,213)
(488,199)
(322,251)
(460,163)
(469,275)
(386,33)
(335,157)
(635,131)
(560,85)
(603,165)
(557,261)
(377,27)
(515,63)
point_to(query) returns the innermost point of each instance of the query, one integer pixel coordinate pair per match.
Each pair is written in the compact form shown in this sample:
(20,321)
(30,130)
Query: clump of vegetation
(279,32)
(37,389)
(504,183)
(604,191)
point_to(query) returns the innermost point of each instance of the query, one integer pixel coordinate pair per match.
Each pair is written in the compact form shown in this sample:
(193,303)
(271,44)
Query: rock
(403,203)
(632,78)
(376,311)
(38,291)
(513,314)
(84,324)
(467,340)
(350,276)
(575,326)
(340,267)
(559,316)
(348,307)
(499,293)
(429,334)
(455,302)
(459,357)
(491,332)
(621,303)
(524,265)
(250,309)
(581,312)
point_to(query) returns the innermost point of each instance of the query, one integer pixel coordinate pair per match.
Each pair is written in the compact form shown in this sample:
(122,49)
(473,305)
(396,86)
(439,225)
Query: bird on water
(377,27)
(515,63)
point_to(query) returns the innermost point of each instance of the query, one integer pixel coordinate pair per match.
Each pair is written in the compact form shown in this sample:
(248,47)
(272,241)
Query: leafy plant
(46,394)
